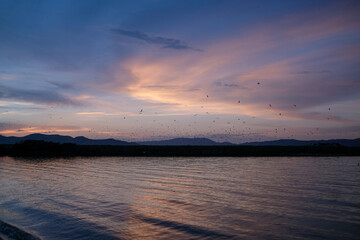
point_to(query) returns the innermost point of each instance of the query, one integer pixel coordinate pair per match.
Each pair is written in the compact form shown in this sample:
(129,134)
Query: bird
(269,105)
(294,105)
(239,101)
(258,83)
(207,95)
(141,111)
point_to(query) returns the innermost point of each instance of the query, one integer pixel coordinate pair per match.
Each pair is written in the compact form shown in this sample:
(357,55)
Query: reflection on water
(183,198)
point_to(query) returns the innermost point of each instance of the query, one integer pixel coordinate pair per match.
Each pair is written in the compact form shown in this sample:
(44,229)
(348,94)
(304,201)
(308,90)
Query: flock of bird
(201,127)
(226,127)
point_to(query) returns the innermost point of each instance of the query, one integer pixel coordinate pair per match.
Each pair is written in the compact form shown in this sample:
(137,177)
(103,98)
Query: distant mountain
(172,142)
(293,142)
(186,142)
(63,139)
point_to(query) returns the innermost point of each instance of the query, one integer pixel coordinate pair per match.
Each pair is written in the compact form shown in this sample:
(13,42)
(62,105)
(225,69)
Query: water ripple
(183,198)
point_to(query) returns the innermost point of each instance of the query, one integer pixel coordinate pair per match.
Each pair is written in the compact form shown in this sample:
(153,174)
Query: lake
(183,198)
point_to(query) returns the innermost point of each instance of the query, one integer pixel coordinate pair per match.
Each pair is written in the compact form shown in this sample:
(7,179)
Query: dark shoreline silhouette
(12,232)
(38,148)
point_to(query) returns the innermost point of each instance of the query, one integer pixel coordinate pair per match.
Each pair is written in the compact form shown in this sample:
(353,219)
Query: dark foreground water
(183,198)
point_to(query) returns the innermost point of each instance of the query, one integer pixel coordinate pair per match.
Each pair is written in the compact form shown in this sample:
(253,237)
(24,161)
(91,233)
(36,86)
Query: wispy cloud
(314,72)
(243,68)
(164,42)
(36,96)
(101,113)
(61,85)
(21,129)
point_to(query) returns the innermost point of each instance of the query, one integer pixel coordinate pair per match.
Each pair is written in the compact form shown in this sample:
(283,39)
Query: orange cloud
(45,129)
(229,70)
(100,113)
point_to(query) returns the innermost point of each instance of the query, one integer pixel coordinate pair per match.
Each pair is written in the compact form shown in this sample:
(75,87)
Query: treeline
(34,148)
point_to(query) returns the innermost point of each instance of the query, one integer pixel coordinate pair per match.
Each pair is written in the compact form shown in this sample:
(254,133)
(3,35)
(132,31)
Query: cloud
(6,77)
(293,67)
(22,107)
(60,85)
(35,96)
(314,72)
(101,113)
(10,126)
(155,40)
(162,87)
(22,129)
(230,70)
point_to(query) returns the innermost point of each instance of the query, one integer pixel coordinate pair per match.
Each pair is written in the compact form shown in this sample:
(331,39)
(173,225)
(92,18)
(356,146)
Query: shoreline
(33,149)
(8,231)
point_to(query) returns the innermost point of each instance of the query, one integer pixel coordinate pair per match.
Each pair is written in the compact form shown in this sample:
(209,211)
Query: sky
(233,71)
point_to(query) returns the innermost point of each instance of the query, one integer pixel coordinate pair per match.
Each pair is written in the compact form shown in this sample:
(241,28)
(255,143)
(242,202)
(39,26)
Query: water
(183,198)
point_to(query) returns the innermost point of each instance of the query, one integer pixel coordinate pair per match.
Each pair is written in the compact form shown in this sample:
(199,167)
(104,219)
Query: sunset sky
(139,70)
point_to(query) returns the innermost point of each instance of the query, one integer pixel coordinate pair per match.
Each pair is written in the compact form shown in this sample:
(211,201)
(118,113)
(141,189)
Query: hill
(64,139)
(173,142)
